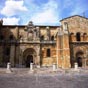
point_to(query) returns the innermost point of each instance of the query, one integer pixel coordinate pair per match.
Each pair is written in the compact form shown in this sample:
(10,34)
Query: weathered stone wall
(1,55)
(60,51)
(63,51)
(77,24)
(48,61)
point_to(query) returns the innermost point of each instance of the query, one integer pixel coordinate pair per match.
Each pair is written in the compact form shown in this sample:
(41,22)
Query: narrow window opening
(48,52)
(78,36)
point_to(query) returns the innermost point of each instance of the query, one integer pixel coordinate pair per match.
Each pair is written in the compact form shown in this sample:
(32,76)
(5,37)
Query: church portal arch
(29,56)
(79,58)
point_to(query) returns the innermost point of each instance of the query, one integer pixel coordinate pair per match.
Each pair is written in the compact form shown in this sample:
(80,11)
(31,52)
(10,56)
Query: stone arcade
(45,45)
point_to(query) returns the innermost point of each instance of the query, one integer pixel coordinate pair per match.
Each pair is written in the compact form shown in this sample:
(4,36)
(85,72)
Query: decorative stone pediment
(32,31)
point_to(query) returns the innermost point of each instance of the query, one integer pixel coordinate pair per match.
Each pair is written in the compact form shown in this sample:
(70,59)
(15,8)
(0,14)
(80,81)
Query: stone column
(81,37)
(1,54)
(48,33)
(17,56)
(37,28)
(34,36)
(12,55)
(20,58)
(38,57)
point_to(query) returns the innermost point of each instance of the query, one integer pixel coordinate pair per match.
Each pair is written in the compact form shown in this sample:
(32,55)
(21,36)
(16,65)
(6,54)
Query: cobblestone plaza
(46,79)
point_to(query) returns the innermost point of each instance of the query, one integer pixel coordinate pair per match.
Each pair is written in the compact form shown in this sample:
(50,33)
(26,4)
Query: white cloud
(47,14)
(11,21)
(13,7)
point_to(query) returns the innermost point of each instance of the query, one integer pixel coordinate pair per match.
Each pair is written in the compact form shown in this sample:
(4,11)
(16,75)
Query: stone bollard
(31,66)
(8,70)
(54,67)
(76,66)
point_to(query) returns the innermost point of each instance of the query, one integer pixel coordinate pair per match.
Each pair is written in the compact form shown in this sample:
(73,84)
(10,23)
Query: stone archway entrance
(29,57)
(79,61)
(29,60)
(79,58)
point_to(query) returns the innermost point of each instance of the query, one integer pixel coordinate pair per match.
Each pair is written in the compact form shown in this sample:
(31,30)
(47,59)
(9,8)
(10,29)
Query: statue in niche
(30,28)
(30,35)
(47,36)
(21,37)
(37,32)
(37,48)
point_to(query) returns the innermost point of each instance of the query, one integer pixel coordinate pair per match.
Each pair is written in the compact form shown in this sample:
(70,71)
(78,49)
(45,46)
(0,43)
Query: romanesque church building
(45,45)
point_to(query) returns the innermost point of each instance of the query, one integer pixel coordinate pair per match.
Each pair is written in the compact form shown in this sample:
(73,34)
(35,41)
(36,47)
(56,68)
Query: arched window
(52,38)
(11,37)
(48,52)
(78,36)
(42,38)
(85,37)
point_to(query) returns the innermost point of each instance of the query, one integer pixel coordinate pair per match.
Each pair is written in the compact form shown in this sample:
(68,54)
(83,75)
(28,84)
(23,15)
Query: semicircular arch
(27,52)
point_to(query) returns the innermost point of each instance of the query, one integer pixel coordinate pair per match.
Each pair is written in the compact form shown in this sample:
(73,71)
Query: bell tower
(63,51)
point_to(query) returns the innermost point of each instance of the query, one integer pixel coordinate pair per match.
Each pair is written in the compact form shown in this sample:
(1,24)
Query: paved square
(44,81)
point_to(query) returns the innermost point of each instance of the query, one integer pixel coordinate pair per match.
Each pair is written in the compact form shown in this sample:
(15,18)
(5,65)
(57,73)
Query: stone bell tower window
(78,36)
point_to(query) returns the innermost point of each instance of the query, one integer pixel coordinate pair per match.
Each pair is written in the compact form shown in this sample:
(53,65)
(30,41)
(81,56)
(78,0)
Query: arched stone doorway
(79,58)
(29,57)
(29,60)
(79,61)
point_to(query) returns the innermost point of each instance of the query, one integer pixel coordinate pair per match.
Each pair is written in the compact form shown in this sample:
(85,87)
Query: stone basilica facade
(45,45)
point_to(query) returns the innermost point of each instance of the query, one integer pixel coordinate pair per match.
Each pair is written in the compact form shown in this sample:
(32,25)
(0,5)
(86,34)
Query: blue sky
(41,12)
